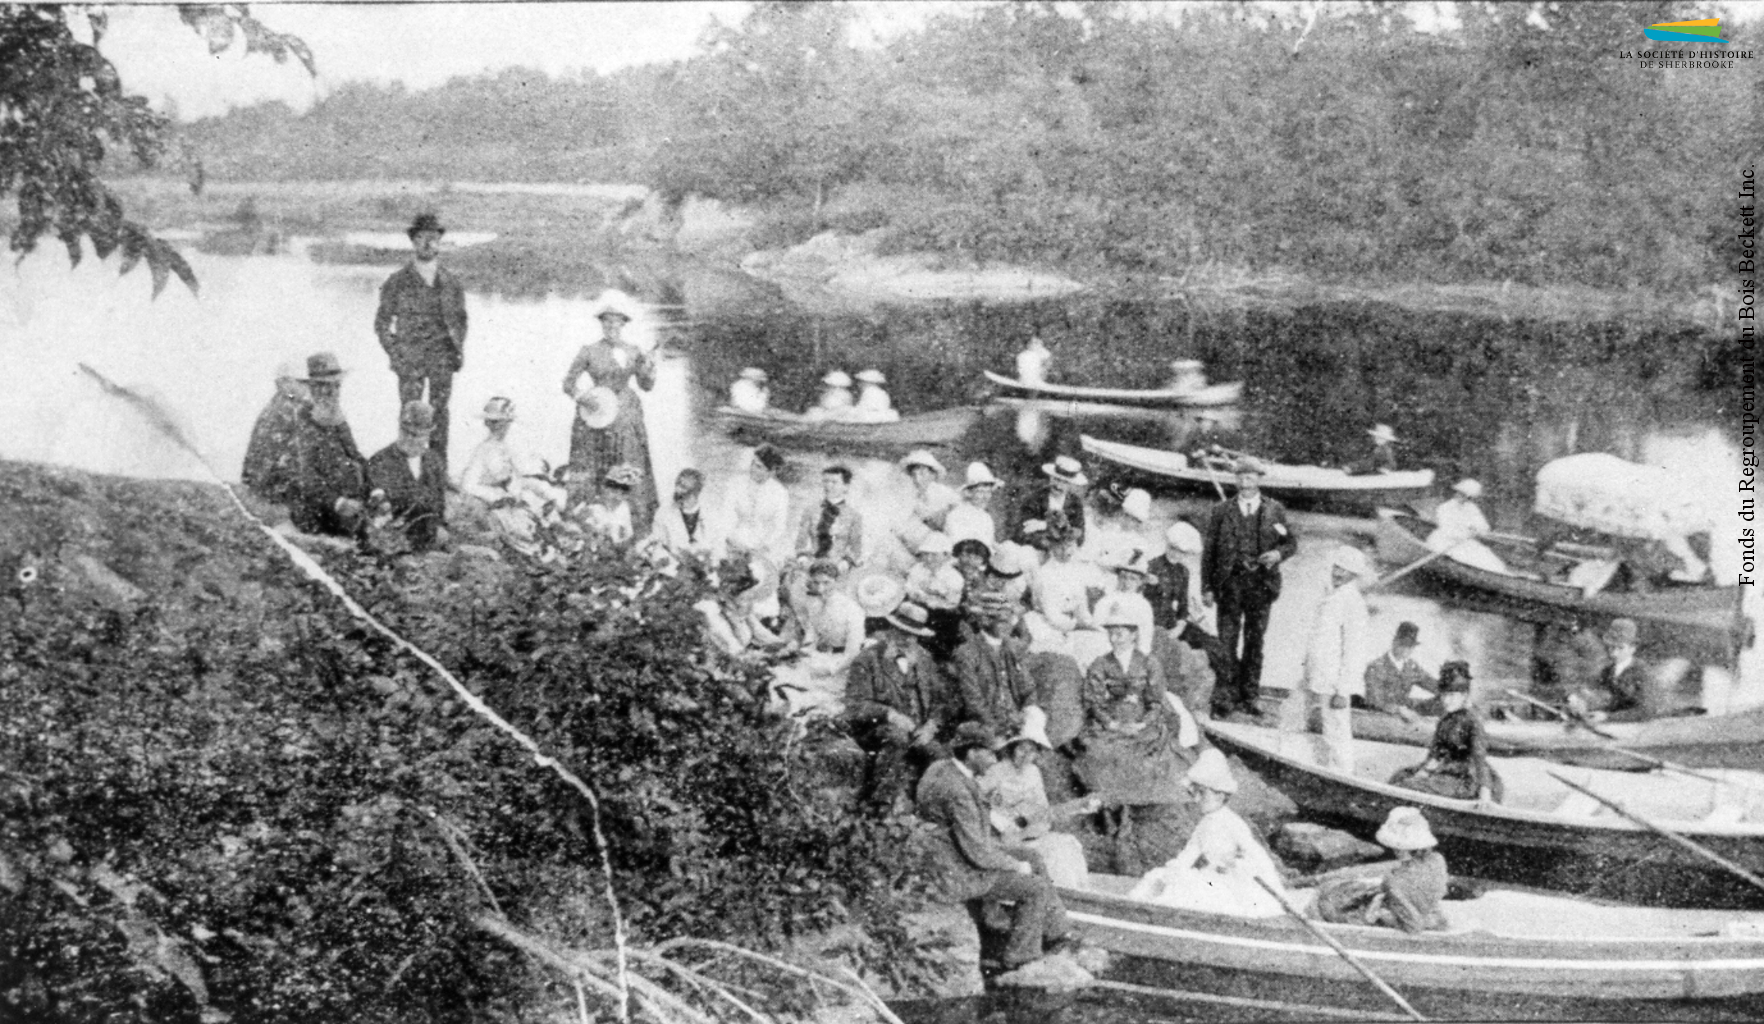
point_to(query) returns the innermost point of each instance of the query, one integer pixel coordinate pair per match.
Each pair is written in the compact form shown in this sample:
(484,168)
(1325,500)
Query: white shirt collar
(427,270)
(1249,508)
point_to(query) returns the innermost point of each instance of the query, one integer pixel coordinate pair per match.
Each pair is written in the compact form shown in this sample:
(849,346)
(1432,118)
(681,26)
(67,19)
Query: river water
(1470,395)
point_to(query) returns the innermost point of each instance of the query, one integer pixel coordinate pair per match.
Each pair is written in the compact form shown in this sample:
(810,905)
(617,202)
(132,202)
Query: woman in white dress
(932,499)
(514,496)
(1020,810)
(1458,523)
(970,519)
(1218,870)
(1063,595)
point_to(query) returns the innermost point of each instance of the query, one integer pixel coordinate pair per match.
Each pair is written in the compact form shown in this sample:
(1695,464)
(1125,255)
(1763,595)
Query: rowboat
(1701,741)
(1544,833)
(1194,398)
(921,430)
(1506,950)
(1402,538)
(1311,483)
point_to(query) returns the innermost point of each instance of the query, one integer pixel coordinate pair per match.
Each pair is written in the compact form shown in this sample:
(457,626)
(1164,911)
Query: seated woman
(836,402)
(513,495)
(729,617)
(1460,522)
(1020,811)
(1409,896)
(750,392)
(1220,869)
(1457,762)
(935,584)
(1129,741)
(1063,594)
(873,404)
(608,515)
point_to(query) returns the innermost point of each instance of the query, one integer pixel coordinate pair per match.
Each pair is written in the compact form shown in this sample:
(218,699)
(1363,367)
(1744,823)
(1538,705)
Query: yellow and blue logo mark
(1704,30)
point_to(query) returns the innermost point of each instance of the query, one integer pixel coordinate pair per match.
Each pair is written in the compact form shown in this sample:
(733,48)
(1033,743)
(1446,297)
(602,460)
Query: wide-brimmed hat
(921,457)
(1468,488)
(1068,469)
(1406,829)
(424,222)
(935,543)
(1004,563)
(872,377)
(836,379)
(755,374)
(1137,504)
(1621,633)
(979,476)
(1247,466)
(498,410)
(596,406)
(323,367)
(416,418)
(1407,633)
(1352,559)
(878,593)
(1183,537)
(1454,677)
(613,302)
(1383,434)
(1034,730)
(623,475)
(1117,615)
(910,618)
(1212,772)
(1128,560)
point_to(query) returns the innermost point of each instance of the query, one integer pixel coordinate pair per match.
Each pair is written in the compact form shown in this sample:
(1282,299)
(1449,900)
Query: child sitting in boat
(1409,896)
(836,402)
(750,392)
(1457,762)
(873,404)
(1220,870)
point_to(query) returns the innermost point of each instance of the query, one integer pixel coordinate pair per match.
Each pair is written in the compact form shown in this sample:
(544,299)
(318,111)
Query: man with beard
(330,474)
(408,481)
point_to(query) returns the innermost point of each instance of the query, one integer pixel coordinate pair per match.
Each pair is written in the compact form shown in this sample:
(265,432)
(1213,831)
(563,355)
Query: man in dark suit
(421,323)
(897,705)
(992,686)
(1391,679)
(1624,691)
(969,862)
(1059,503)
(407,481)
(1246,540)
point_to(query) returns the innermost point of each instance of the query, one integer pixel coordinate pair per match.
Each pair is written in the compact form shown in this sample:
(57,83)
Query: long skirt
(625,440)
(1457,784)
(1143,768)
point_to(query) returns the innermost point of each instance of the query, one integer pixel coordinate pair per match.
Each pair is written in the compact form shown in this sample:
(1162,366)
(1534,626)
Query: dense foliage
(227,799)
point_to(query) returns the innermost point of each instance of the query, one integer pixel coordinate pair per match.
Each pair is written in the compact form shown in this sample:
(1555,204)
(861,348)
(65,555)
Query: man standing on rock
(1246,540)
(330,474)
(421,324)
(407,479)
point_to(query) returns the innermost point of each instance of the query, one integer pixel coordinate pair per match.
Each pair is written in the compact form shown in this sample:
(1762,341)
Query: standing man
(407,479)
(1246,540)
(1334,658)
(422,325)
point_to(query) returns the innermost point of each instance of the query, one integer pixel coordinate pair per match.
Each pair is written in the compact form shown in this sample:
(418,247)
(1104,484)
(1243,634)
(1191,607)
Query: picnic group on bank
(1051,680)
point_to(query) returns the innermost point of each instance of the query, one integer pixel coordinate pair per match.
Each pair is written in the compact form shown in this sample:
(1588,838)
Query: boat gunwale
(1224,393)
(1121,453)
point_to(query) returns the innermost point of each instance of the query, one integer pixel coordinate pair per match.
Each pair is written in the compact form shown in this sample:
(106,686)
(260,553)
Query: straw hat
(323,366)
(1468,488)
(1034,730)
(498,410)
(1620,633)
(596,406)
(1211,772)
(1352,559)
(1383,434)
(1068,469)
(1137,504)
(416,418)
(872,377)
(878,593)
(1406,829)
(1132,560)
(935,543)
(1454,677)
(1184,538)
(1186,365)
(979,476)
(921,457)
(1118,615)
(613,302)
(836,379)
(755,374)
(910,618)
(1004,563)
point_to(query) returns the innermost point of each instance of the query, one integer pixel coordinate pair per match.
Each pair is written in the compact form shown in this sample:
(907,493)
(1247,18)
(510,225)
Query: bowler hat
(416,418)
(323,366)
(1408,633)
(1406,829)
(425,221)
(1454,677)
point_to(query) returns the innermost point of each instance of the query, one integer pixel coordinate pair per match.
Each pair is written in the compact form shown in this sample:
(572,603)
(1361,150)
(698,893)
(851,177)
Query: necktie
(824,529)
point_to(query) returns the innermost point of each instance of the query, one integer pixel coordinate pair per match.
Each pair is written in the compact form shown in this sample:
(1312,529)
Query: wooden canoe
(1402,538)
(1544,833)
(920,430)
(1504,946)
(1283,481)
(1701,741)
(1211,395)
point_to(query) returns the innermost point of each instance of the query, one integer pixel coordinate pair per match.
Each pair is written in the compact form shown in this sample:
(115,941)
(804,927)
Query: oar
(1412,566)
(1690,844)
(1609,744)
(1353,961)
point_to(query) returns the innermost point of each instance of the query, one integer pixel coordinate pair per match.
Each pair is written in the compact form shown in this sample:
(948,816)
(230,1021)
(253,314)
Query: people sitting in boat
(1409,896)
(1622,691)
(1382,458)
(1459,521)
(1033,360)
(1457,761)
(608,514)
(1223,865)
(1187,376)
(751,392)
(1565,659)
(970,519)
(932,499)
(1020,809)
(1396,684)
(836,401)
(1058,503)
(1203,445)
(873,404)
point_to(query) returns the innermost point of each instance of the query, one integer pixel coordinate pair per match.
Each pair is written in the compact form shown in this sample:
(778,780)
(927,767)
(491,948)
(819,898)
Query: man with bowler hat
(421,324)
(406,478)
(1246,540)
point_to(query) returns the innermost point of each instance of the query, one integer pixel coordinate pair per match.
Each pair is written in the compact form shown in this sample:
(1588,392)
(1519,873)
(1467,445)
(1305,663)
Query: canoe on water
(1282,481)
(1507,950)
(1402,538)
(1544,833)
(1210,395)
(920,430)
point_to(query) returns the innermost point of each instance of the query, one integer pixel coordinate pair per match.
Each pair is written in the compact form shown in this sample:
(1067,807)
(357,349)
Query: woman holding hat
(1459,521)
(1062,595)
(1020,809)
(932,500)
(1222,866)
(836,402)
(970,518)
(1457,761)
(1409,897)
(608,434)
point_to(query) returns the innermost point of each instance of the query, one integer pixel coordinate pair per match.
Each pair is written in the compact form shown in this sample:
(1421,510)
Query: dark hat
(416,418)
(972,734)
(824,567)
(323,366)
(1454,677)
(425,222)
(972,545)
(769,456)
(1408,633)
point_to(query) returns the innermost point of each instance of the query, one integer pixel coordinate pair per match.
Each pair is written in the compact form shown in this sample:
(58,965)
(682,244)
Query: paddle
(1610,743)
(1684,841)
(1342,951)
(1412,566)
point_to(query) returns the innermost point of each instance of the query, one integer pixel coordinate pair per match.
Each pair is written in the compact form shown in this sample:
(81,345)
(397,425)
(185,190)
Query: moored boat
(1508,953)
(1403,538)
(920,430)
(1314,483)
(1188,398)
(1544,832)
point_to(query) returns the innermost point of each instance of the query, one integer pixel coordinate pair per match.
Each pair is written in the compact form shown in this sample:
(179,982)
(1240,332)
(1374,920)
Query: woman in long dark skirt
(1457,762)
(614,364)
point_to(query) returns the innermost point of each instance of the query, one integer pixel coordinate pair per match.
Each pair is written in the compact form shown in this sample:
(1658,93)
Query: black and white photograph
(867,512)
